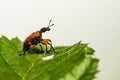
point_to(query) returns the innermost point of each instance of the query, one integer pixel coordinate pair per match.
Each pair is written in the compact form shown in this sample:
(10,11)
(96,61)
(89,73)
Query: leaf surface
(70,63)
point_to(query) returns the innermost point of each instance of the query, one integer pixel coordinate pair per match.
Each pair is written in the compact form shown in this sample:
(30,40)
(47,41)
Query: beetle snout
(48,29)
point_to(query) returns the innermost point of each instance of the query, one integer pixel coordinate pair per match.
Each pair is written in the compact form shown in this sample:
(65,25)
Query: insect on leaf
(70,63)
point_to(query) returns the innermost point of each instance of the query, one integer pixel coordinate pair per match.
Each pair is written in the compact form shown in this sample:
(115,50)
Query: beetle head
(44,29)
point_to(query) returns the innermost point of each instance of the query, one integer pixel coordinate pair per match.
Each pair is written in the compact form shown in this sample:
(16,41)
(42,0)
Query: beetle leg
(52,48)
(23,54)
(46,49)
(48,42)
(32,46)
(41,49)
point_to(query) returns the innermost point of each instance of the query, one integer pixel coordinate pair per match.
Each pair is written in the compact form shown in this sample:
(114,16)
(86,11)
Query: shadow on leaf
(35,51)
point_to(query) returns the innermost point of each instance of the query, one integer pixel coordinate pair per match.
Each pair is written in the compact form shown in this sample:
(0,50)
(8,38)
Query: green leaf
(70,63)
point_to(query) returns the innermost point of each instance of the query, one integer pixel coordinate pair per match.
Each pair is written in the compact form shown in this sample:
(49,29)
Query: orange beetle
(36,38)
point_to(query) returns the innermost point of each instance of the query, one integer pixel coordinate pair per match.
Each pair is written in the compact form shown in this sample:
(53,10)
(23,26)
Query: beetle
(36,38)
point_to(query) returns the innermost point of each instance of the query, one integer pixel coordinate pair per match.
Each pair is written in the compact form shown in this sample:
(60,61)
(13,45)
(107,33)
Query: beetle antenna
(49,23)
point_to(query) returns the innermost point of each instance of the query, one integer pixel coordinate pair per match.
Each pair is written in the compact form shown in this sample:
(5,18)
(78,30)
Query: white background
(92,21)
